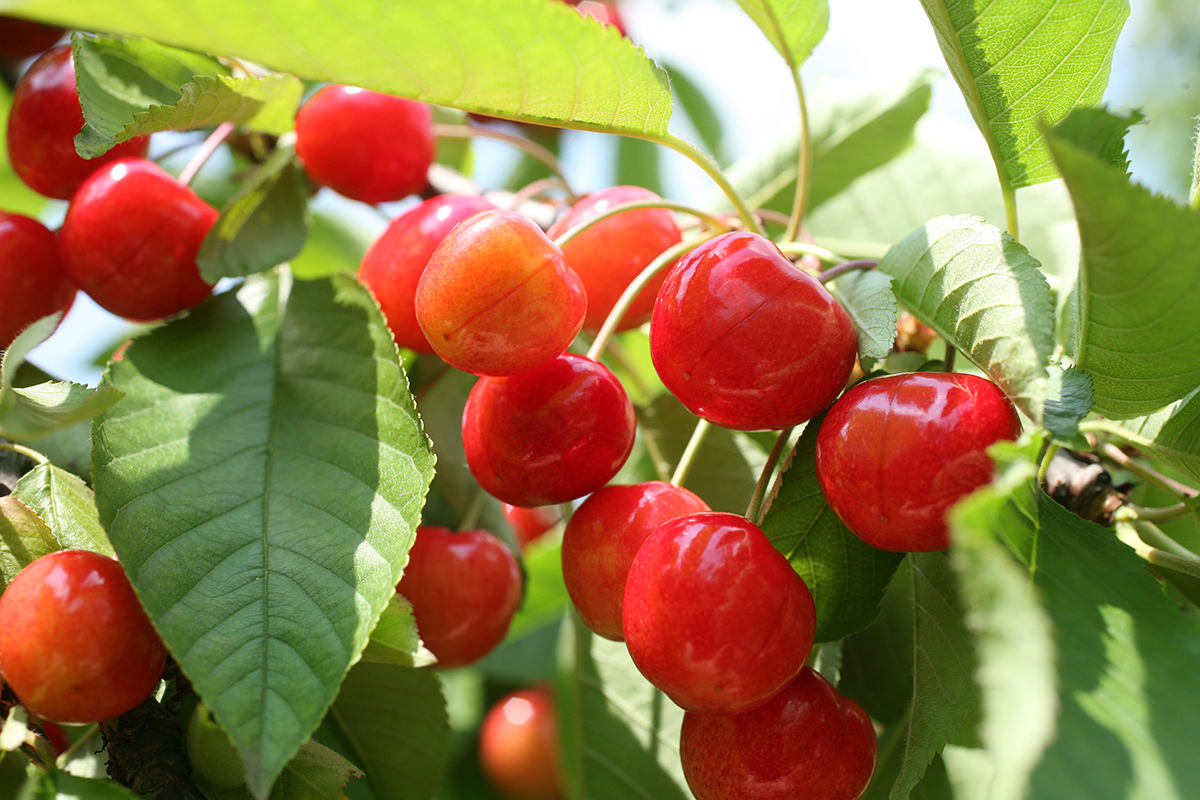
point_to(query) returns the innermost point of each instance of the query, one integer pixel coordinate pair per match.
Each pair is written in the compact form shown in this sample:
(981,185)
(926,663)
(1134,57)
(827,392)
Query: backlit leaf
(396,639)
(24,538)
(867,296)
(67,505)
(794,27)
(1171,435)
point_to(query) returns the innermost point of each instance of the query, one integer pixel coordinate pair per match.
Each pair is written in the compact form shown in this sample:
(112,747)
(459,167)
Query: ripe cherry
(610,254)
(42,124)
(75,644)
(31,273)
(394,263)
(747,340)
(531,524)
(894,453)
(365,145)
(518,746)
(602,538)
(549,435)
(808,742)
(130,240)
(464,589)
(714,615)
(497,297)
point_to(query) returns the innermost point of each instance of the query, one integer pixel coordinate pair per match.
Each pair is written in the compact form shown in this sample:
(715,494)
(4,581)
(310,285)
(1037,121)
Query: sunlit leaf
(867,296)
(1172,434)
(67,505)
(396,640)
(24,538)
(793,27)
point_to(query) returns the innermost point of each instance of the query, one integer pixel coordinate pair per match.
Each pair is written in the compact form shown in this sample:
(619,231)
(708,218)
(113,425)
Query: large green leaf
(67,505)
(525,59)
(1172,434)
(868,298)
(1021,61)
(261,483)
(794,27)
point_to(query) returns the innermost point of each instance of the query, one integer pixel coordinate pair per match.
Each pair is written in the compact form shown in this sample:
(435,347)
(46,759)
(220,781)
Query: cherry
(23,38)
(31,273)
(464,589)
(602,538)
(130,240)
(394,263)
(603,11)
(75,644)
(497,297)
(714,615)
(807,742)
(894,453)
(42,124)
(610,254)
(365,145)
(748,341)
(549,435)
(518,746)
(531,524)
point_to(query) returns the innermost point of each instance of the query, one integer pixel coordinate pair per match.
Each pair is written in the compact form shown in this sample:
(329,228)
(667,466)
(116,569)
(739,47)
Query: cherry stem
(1165,514)
(530,148)
(948,358)
(689,453)
(804,167)
(705,162)
(541,187)
(754,511)
(1155,536)
(1044,467)
(1117,456)
(210,145)
(857,247)
(470,517)
(1144,538)
(863,264)
(771,214)
(712,221)
(806,249)
(37,457)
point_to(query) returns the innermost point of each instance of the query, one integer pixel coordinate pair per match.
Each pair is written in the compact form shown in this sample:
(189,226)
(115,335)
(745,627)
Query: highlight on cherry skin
(549,435)
(894,453)
(31,272)
(498,298)
(714,615)
(75,644)
(746,340)
(518,746)
(464,589)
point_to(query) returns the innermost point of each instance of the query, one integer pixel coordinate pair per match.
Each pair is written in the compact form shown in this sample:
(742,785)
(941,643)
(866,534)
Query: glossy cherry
(464,589)
(714,615)
(531,524)
(549,435)
(518,746)
(31,273)
(365,145)
(497,297)
(894,453)
(747,340)
(75,644)
(42,124)
(394,263)
(610,254)
(130,240)
(602,538)
(808,742)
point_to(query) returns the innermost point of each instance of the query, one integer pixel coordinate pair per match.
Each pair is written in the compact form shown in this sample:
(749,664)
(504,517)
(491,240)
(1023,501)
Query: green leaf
(24,538)
(794,27)
(392,722)
(637,164)
(619,734)
(1137,304)
(699,110)
(316,773)
(1096,131)
(528,60)
(846,576)
(67,505)
(48,407)
(13,358)
(1021,61)
(867,296)
(133,87)
(396,640)
(69,786)
(1171,435)
(546,595)
(334,244)
(984,294)
(264,225)
(1068,400)
(284,407)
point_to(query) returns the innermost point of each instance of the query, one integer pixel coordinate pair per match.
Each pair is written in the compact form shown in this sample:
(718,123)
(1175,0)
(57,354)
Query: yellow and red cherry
(808,742)
(366,145)
(894,453)
(75,644)
(747,340)
(464,589)
(393,265)
(714,615)
(602,538)
(549,435)
(610,254)
(497,297)
(42,123)
(518,746)
(130,240)
(32,275)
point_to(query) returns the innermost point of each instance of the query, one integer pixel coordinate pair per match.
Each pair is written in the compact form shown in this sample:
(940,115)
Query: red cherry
(497,297)
(610,254)
(31,273)
(894,453)
(808,742)
(549,435)
(747,340)
(603,11)
(365,145)
(531,524)
(75,644)
(23,38)
(602,538)
(42,124)
(464,589)
(518,746)
(714,615)
(394,263)
(130,240)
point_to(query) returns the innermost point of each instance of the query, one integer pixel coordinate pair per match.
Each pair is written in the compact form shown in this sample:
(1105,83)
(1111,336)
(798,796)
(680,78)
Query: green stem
(530,148)
(712,221)
(856,247)
(1010,202)
(1044,467)
(37,457)
(805,249)
(710,167)
(1156,537)
(857,264)
(1161,558)
(804,167)
(470,517)
(1177,511)
(1118,457)
(689,453)
(755,509)
(540,187)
